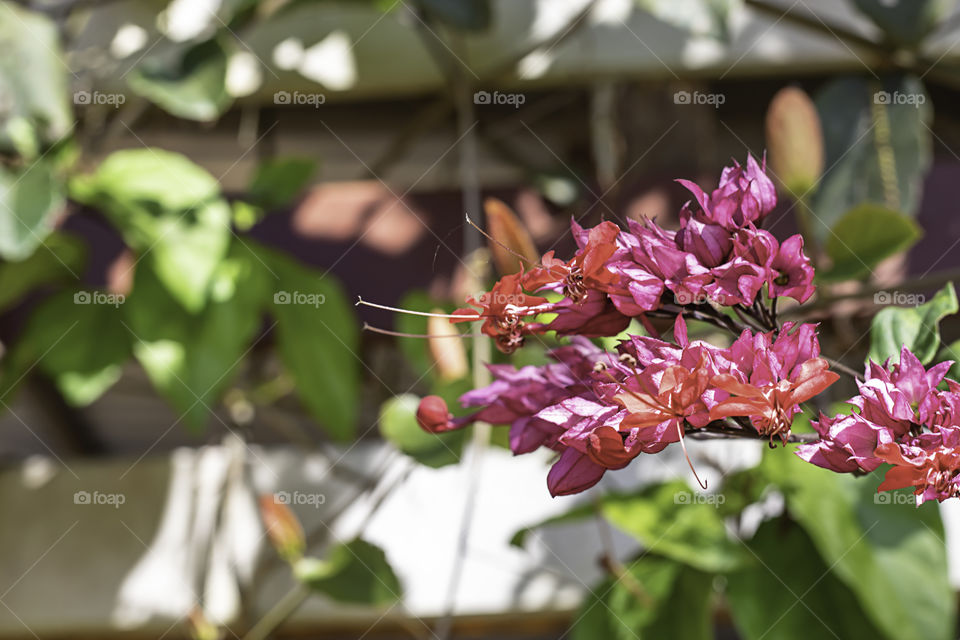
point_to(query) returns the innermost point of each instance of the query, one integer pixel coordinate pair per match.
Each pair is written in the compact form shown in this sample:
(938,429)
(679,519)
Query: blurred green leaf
(906,23)
(790,594)
(192,358)
(398,425)
(916,328)
(33,76)
(890,553)
(167,208)
(59,260)
(30,200)
(671,520)
(656,598)
(187,81)
(863,237)
(854,170)
(469,15)
(318,337)
(356,572)
(77,340)
(279,180)
(951,352)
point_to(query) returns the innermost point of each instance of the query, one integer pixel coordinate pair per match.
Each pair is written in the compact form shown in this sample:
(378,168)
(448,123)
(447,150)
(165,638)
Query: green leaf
(187,81)
(854,173)
(398,424)
(279,180)
(59,260)
(317,337)
(791,593)
(863,237)
(78,340)
(192,358)
(469,15)
(33,76)
(889,553)
(167,208)
(655,598)
(29,202)
(951,352)
(356,572)
(916,328)
(906,23)
(671,520)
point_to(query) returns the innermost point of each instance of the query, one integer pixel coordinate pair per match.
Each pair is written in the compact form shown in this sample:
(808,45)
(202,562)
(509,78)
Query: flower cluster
(718,256)
(902,418)
(602,409)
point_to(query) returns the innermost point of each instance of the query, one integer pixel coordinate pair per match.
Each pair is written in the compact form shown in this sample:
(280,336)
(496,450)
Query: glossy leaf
(30,200)
(356,572)
(917,328)
(790,593)
(185,81)
(865,236)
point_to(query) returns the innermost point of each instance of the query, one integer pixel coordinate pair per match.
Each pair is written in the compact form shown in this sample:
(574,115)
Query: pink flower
(743,196)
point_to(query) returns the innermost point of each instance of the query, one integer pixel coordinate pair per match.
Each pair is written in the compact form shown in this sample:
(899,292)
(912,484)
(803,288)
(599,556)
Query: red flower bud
(434,416)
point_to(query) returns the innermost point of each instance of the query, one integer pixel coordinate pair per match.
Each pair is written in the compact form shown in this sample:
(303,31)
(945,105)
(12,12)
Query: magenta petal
(572,473)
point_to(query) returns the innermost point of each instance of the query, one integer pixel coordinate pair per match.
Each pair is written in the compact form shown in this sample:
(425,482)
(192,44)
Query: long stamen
(400,334)
(500,244)
(703,485)
(361,301)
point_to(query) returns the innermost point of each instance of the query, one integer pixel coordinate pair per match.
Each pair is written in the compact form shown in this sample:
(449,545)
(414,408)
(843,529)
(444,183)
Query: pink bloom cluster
(719,254)
(600,410)
(903,419)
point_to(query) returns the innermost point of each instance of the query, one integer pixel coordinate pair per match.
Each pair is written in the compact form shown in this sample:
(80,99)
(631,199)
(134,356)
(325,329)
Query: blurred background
(200,441)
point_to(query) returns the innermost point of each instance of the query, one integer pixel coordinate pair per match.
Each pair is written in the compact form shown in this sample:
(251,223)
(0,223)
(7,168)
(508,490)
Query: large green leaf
(356,572)
(192,358)
(890,553)
(906,23)
(865,236)
(790,593)
(78,340)
(854,169)
(655,598)
(398,424)
(30,200)
(33,76)
(917,328)
(278,181)
(671,520)
(167,208)
(317,336)
(59,260)
(187,81)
